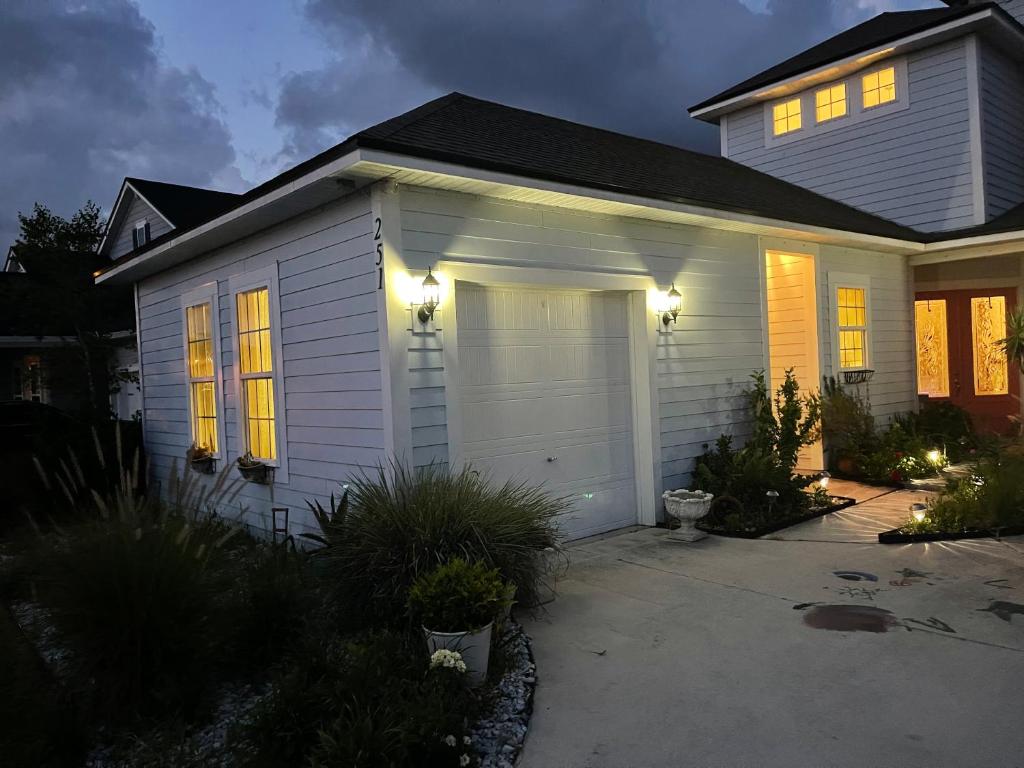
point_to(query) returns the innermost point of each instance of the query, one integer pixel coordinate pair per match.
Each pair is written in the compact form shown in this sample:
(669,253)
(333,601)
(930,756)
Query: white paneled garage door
(544,386)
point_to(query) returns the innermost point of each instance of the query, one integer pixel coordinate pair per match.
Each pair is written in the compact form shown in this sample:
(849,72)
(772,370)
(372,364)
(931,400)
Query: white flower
(447,659)
(449,740)
(464,761)
(466,740)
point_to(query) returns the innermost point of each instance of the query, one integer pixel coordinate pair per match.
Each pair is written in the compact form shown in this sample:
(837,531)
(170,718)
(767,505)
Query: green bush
(993,498)
(458,596)
(786,423)
(846,423)
(392,527)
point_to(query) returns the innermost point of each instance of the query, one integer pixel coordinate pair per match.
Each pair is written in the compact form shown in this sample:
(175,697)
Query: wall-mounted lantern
(431,298)
(668,310)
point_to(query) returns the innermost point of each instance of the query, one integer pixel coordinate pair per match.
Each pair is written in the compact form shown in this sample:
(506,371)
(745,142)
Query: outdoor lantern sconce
(671,304)
(431,298)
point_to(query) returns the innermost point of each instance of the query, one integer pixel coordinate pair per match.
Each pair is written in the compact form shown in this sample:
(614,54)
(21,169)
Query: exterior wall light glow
(431,298)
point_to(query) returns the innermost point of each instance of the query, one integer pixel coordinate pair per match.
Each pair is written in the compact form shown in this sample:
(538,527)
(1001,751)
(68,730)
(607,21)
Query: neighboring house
(469,282)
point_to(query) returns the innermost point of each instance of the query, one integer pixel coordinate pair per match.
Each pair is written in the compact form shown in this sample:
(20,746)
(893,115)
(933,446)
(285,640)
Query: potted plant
(457,604)
(254,470)
(200,458)
(687,507)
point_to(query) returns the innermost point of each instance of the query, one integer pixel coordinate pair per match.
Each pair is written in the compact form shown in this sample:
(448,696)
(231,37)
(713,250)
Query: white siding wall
(911,166)
(893,388)
(1002,105)
(702,368)
(137,211)
(331,366)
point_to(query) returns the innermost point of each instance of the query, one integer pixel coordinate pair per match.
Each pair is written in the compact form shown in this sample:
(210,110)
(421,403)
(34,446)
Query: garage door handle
(552,458)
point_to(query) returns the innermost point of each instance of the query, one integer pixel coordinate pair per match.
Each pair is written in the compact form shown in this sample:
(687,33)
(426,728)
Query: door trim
(642,341)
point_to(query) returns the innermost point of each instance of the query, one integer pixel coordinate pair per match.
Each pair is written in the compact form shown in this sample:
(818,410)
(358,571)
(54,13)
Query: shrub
(941,425)
(786,424)
(392,527)
(846,422)
(993,498)
(458,596)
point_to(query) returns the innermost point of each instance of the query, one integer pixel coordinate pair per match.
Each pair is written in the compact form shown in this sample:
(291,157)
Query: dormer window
(879,87)
(786,117)
(140,234)
(830,103)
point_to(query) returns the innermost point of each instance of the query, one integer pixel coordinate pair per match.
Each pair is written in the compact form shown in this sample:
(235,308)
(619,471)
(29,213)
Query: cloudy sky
(227,93)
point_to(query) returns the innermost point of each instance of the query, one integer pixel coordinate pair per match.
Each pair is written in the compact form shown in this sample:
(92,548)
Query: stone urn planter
(687,507)
(475,648)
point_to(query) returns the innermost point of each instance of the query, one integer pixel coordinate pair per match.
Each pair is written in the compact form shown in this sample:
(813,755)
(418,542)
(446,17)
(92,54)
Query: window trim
(855,111)
(837,280)
(142,225)
(875,70)
(845,102)
(206,293)
(799,116)
(267,277)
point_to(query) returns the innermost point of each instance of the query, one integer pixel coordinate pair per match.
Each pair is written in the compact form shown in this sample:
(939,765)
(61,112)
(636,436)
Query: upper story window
(830,103)
(786,117)
(140,234)
(879,87)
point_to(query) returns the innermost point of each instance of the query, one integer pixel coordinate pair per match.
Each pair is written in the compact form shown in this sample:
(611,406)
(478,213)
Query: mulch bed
(897,536)
(842,502)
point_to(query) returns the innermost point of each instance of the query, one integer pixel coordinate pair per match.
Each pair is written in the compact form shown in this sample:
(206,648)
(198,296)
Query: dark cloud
(85,100)
(628,65)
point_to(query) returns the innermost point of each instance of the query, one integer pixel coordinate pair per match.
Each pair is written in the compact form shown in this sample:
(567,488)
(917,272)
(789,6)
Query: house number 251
(380,254)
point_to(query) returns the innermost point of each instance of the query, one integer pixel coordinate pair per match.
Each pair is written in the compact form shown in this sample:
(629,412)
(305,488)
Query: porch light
(431,298)
(918,511)
(673,304)
(823,480)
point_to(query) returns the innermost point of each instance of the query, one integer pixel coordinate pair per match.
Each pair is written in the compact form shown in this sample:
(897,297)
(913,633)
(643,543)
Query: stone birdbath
(687,507)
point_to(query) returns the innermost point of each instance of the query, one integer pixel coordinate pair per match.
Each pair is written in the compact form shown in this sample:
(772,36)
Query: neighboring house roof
(11,264)
(183,206)
(180,206)
(881,30)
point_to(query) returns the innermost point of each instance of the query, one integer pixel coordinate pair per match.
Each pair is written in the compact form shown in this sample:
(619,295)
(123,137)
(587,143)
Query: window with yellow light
(786,117)
(851,321)
(830,103)
(879,87)
(255,366)
(202,384)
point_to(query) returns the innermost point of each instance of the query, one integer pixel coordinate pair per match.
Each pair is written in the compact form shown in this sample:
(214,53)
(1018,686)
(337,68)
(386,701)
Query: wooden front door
(958,355)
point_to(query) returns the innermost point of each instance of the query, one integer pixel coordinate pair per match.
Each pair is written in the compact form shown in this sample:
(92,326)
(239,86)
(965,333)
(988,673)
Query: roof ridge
(138,179)
(391,126)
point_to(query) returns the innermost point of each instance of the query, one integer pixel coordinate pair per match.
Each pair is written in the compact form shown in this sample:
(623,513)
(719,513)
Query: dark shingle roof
(882,29)
(184,207)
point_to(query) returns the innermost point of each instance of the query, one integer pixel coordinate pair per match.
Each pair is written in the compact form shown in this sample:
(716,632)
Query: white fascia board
(834,69)
(125,270)
(1002,244)
(710,216)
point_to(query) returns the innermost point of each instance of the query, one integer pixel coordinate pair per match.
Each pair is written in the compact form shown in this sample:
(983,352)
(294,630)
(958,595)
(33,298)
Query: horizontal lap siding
(911,166)
(332,381)
(702,369)
(137,211)
(1002,129)
(892,389)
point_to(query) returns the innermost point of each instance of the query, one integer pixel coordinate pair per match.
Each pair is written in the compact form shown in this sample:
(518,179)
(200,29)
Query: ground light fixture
(934,455)
(919,511)
(772,496)
(431,298)
(823,480)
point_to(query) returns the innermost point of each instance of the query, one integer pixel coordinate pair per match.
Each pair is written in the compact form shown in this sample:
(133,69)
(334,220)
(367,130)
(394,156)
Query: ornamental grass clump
(393,526)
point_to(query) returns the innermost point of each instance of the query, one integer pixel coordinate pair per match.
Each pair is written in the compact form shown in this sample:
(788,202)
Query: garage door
(544,385)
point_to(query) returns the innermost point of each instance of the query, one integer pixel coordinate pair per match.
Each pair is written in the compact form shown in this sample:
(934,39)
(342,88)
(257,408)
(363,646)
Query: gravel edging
(499,735)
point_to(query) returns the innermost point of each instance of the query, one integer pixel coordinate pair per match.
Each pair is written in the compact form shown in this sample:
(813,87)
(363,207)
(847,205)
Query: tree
(57,296)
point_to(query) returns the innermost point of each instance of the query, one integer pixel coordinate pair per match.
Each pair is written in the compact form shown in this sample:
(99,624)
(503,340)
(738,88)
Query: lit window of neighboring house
(786,117)
(879,87)
(140,234)
(852,324)
(830,103)
(202,363)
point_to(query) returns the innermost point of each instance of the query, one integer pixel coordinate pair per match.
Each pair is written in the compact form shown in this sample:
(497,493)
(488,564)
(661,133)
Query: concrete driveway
(720,654)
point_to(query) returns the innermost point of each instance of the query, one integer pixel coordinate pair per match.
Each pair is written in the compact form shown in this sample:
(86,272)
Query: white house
(600,300)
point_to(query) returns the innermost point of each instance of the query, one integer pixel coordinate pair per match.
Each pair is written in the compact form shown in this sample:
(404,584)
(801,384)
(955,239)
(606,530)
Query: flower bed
(839,502)
(901,536)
